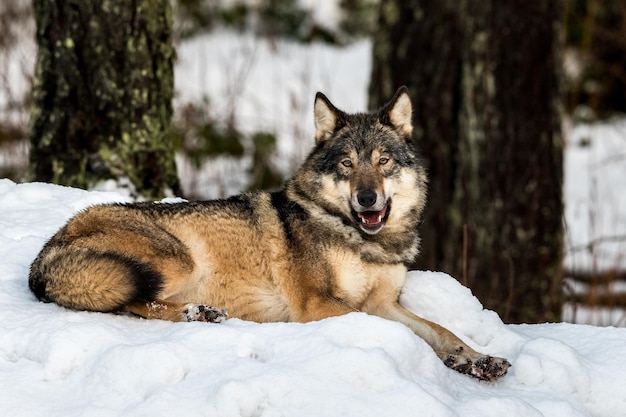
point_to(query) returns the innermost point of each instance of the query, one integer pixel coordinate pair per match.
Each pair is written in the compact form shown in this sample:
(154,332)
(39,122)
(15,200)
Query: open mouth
(372,222)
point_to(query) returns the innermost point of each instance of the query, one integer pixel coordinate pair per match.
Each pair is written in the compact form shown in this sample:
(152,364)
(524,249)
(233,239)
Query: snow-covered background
(56,362)
(595,213)
(265,85)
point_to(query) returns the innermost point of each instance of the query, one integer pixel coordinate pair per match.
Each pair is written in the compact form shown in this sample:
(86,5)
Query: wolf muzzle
(371,211)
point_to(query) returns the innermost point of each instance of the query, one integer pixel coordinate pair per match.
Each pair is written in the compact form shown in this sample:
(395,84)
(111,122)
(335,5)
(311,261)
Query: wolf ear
(326,118)
(399,112)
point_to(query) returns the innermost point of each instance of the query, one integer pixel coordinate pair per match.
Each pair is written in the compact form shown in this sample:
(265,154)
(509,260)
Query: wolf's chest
(355,280)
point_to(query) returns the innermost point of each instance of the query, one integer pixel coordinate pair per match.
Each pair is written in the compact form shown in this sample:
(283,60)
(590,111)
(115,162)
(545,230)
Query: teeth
(373,218)
(366,221)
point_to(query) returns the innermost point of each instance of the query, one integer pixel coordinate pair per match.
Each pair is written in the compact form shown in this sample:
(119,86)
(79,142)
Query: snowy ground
(56,362)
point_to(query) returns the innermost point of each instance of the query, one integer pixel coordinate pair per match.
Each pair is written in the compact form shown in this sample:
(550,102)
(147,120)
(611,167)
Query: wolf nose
(366,198)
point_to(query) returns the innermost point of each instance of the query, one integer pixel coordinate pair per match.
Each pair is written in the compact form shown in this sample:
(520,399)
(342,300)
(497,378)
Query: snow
(595,171)
(57,362)
(264,85)
(595,212)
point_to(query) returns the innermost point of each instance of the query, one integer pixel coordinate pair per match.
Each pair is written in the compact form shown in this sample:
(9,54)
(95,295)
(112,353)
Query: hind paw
(485,368)
(202,312)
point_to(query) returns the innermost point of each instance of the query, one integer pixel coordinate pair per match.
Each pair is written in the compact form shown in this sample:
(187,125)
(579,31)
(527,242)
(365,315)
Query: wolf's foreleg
(452,351)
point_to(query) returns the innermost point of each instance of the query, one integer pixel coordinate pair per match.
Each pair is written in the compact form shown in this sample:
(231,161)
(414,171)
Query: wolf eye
(346,163)
(383,160)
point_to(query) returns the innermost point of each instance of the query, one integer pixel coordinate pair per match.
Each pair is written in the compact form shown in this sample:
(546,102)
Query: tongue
(373,217)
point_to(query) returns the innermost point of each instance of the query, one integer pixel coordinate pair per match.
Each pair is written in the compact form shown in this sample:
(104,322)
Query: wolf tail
(88,279)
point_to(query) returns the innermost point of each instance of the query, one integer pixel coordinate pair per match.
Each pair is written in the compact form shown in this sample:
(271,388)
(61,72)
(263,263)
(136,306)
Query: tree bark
(102,94)
(483,79)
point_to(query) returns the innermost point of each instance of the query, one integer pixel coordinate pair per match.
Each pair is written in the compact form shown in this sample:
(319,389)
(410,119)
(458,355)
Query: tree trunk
(102,94)
(482,75)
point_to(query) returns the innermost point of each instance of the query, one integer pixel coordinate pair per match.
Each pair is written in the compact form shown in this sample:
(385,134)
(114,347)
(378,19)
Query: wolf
(336,239)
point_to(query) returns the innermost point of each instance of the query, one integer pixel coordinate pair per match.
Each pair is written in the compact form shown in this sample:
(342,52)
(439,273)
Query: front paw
(202,312)
(485,368)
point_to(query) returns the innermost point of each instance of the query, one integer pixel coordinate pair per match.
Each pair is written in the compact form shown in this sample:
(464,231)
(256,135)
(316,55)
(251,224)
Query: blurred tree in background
(93,68)
(15,25)
(102,95)
(483,78)
(596,58)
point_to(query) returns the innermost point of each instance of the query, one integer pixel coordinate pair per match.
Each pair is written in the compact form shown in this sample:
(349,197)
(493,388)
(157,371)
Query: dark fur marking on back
(287,210)
(241,203)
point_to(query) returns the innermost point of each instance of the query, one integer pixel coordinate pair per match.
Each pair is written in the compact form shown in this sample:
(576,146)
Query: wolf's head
(364,167)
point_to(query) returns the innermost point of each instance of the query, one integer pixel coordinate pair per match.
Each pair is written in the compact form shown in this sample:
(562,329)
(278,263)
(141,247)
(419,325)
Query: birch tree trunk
(483,78)
(102,94)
